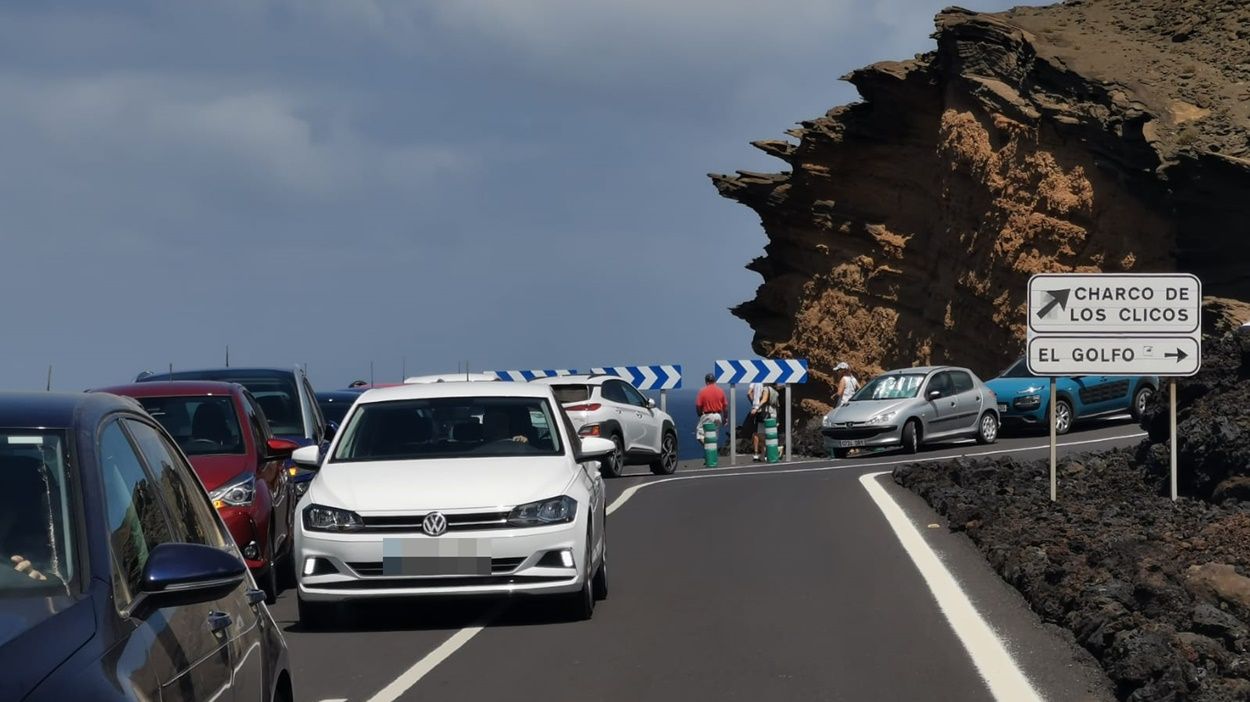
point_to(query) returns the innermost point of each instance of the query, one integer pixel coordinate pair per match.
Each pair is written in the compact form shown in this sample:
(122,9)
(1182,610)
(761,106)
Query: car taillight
(589,430)
(588,407)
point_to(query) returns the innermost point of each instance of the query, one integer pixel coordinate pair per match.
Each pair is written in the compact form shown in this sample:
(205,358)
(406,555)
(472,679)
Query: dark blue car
(1024,399)
(118,580)
(335,403)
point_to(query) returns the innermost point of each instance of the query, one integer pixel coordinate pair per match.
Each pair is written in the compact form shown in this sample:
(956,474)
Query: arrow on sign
(1179,355)
(1057,297)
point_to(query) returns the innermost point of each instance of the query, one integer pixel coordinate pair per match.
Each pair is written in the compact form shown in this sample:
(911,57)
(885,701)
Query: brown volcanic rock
(1104,135)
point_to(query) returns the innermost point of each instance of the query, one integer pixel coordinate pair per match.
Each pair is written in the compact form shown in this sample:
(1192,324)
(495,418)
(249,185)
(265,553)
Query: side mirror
(650,403)
(307,457)
(934,394)
(280,448)
(594,447)
(178,574)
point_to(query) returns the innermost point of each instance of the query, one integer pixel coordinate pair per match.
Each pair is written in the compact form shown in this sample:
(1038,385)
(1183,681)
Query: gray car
(914,406)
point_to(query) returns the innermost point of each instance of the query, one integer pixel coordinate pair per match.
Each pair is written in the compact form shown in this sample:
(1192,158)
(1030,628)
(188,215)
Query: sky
(412,183)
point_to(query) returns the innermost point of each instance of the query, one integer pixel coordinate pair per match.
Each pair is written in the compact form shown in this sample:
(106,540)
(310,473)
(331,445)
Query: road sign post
(1114,324)
(789,425)
(759,370)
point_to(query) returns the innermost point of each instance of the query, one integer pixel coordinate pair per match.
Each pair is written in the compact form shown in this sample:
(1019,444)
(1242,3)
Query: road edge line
(995,664)
(433,659)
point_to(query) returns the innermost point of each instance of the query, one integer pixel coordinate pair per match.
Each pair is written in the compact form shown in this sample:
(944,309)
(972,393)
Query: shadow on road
(433,615)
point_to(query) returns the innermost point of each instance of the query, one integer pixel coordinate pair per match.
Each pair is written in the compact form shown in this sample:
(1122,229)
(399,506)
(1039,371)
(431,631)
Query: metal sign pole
(663,400)
(1053,479)
(1172,427)
(733,423)
(789,443)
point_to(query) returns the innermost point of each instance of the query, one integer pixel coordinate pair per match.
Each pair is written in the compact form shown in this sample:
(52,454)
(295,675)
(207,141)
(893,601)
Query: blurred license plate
(852,443)
(435,557)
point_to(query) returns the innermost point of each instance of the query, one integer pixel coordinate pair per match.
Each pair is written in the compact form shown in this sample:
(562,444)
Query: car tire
(600,581)
(1141,399)
(1063,417)
(987,428)
(580,605)
(911,437)
(316,616)
(269,581)
(666,464)
(614,464)
(841,453)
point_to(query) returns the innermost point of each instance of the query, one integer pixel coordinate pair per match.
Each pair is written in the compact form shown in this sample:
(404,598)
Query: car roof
(339,395)
(924,369)
(217,373)
(452,378)
(579,379)
(30,410)
(421,391)
(173,388)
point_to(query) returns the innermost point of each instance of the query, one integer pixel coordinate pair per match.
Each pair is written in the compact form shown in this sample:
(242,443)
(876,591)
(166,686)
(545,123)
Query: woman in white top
(848,385)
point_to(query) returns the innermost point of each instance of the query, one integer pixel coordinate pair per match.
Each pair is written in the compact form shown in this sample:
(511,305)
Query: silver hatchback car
(911,407)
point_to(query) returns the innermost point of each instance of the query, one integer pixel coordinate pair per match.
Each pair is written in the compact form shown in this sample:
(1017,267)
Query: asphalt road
(759,582)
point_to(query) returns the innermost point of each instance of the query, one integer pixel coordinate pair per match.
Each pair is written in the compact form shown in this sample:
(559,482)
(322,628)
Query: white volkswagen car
(454,488)
(612,408)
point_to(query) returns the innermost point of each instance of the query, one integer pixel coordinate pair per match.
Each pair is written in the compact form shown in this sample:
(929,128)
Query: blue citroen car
(1024,398)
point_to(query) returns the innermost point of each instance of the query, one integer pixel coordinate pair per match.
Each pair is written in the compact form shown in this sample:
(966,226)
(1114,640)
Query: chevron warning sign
(524,376)
(646,377)
(783,371)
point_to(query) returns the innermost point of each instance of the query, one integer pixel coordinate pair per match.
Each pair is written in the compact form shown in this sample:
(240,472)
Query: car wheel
(269,581)
(666,464)
(987,429)
(841,453)
(1063,417)
(911,436)
(614,464)
(1141,400)
(581,604)
(600,583)
(315,616)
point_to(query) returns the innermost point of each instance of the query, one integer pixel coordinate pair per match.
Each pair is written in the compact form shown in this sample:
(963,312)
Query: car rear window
(571,393)
(200,425)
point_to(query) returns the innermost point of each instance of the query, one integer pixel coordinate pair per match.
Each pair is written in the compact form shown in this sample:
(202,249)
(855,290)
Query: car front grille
(855,432)
(477,521)
(497,566)
(467,581)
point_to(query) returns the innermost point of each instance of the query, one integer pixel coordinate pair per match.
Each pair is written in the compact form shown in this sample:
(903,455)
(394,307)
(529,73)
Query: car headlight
(1027,402)
(827,420)
(1032,389)
(238,492)
(557,510)
(321,518)
(881,418)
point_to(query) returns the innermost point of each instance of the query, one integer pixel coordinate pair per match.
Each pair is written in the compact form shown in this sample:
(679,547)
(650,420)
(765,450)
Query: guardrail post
(710,447)
(663,400)
(733,424)
(770,440)
(789,424)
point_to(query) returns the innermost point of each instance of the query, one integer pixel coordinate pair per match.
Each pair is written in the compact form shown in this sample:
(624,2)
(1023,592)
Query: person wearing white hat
(848,384)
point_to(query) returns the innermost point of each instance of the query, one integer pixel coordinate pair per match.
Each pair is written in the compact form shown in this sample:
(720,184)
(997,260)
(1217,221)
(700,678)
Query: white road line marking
(622,498)
(336,699)
(996,666)
(431,660)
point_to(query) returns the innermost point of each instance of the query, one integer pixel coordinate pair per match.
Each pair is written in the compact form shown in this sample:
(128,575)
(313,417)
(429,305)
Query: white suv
(607,406)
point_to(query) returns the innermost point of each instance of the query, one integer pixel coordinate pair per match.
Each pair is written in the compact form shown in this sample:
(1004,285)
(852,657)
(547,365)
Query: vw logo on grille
(434,524)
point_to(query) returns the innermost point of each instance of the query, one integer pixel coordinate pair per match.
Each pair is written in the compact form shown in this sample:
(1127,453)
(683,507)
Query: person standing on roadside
(762,404)
(848,384)
(710,404)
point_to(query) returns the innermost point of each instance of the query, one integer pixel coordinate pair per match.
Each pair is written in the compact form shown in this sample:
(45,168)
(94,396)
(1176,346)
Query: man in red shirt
(710,404)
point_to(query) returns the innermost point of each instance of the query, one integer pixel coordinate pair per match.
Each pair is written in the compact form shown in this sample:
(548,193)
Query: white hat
(842,366)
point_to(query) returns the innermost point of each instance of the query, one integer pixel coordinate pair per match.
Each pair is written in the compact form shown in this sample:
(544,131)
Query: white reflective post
(733,423)
(789,450)
(663,400)
(1053,479)
(1172,428)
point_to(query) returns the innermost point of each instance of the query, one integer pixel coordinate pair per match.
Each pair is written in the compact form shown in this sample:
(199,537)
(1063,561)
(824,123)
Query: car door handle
(254,596)
(218,621)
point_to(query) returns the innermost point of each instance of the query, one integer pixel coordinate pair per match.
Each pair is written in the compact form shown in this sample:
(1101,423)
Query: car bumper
(352,566)
(1011,417)
(861,437)
(247,534)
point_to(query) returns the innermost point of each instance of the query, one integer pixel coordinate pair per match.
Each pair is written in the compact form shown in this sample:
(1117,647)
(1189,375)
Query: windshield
(279,401)
(200,425)
(1019,369)
(896,386)
(450,427)
(571,393)
(36,517)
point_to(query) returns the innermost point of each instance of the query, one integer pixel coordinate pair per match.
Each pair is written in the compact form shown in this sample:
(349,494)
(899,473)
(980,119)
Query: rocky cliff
(1096,135)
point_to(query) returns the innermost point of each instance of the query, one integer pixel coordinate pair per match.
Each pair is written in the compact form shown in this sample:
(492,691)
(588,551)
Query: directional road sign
(1114,355)
(1114,303)
(524,376)
(646,377)
(762,370)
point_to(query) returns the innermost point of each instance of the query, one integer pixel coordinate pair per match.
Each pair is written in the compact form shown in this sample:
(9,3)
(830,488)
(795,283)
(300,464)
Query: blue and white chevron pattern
(762,370)
(524,376)
(646,377)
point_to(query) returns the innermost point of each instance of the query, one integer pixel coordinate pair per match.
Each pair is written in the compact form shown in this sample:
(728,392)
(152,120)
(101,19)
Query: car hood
(1010,387)
(863,410)
(440,483)
(216,469)
(37,634)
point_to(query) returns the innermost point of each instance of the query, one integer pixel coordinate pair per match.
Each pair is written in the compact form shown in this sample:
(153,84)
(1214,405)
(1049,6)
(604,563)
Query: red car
(223,432)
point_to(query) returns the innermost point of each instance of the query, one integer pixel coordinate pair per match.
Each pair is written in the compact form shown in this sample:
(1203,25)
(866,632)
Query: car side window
(940,382)
(633,396)
(136,521)
(962,381)
(184,495)
(256,420)
(311,398)
(613,393)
